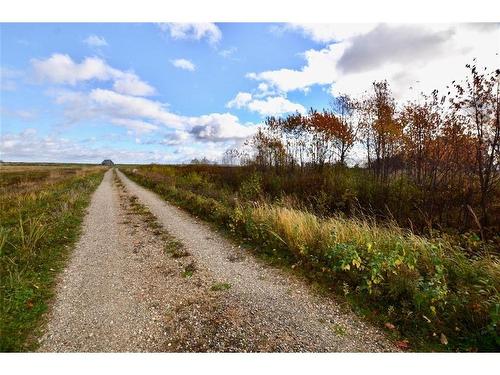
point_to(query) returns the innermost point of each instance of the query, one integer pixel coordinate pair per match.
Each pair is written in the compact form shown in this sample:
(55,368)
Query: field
(434,290)
(41,209)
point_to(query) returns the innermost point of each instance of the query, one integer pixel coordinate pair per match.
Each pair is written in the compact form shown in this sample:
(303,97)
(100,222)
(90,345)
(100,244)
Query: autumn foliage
(439,153)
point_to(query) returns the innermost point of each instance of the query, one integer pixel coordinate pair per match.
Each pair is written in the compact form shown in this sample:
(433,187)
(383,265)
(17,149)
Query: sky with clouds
(167,93)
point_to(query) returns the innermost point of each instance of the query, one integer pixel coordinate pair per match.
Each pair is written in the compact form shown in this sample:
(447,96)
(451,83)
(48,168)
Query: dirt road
(122,291)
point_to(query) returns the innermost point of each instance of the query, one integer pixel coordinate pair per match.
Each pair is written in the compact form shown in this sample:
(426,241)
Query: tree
(231,156)
(478,101)
(345,129)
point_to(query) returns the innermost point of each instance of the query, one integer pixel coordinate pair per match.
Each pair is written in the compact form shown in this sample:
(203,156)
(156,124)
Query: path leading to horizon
(122,292)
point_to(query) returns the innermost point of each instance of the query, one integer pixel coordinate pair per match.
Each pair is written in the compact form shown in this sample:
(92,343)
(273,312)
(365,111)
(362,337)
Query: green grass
(40,213)
(217,287)
(425,287)
(189,269)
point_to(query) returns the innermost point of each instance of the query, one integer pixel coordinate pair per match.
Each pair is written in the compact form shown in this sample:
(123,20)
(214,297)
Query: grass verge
(41,212)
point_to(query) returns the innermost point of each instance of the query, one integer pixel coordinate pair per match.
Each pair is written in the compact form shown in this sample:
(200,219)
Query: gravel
(121,292)
(270,310)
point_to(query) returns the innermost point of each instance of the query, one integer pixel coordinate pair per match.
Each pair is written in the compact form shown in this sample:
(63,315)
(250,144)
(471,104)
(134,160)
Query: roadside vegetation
(410,235)
(41,209)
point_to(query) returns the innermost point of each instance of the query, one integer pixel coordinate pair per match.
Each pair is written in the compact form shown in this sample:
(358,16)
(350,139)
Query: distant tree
(344,128)
(381,131)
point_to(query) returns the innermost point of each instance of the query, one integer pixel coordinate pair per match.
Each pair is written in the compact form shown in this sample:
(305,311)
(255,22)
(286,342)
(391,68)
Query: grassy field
(432,293)
(41,209)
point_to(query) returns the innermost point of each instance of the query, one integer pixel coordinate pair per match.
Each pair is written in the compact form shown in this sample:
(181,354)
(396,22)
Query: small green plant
(251,187)
(220,286)
(339,330)
(175,248)
(189,269)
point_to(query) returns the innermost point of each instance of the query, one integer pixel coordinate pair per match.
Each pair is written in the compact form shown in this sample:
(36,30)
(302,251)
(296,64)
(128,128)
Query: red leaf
(390,326)
(404,344)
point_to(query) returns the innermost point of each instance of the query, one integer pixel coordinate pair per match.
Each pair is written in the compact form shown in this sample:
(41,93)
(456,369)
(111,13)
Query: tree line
(445,145)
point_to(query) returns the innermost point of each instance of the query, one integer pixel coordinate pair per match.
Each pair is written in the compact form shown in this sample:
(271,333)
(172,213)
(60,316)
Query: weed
(339,330)
(189,269)
(175,248)
(220,286)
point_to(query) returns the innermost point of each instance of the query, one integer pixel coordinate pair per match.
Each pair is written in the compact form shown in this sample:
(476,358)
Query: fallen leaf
(404,344)
(443,339)
(389,326)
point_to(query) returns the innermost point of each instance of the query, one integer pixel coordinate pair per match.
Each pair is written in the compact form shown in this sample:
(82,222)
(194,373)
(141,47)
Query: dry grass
(41,208)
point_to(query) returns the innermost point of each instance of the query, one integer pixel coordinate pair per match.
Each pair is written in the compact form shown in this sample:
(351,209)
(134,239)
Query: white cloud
(95,41)
(129,83)
(270,106)
(275,106)
(402,45)
(183,64)
(240,100)
(175,138)
(24,114)
(135,126)
(137,112)
(413,58)
(227,53)
(9,78)
(193,31)
(325,32)
(319,69)
(219,127)
(61,69)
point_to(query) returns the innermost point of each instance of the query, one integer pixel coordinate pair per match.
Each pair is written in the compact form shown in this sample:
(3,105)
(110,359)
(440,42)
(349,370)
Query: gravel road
(122,292)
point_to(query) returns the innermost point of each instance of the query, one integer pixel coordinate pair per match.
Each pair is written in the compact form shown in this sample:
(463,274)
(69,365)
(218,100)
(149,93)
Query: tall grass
(40,214)
(429,288)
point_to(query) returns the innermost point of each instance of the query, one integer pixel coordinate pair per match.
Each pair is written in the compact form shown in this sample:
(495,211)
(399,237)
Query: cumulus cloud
(129,83)
(387,44)
(219,127)
(183,64)
(135,126)
(193,31)
(240,100)
(61,69)
(135,112)
(413,58)
(175,138)
(318,70)
(329,32)
(95,41)
(270,106)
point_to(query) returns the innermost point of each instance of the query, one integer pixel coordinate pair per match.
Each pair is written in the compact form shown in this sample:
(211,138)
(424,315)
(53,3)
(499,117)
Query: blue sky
(170,92)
